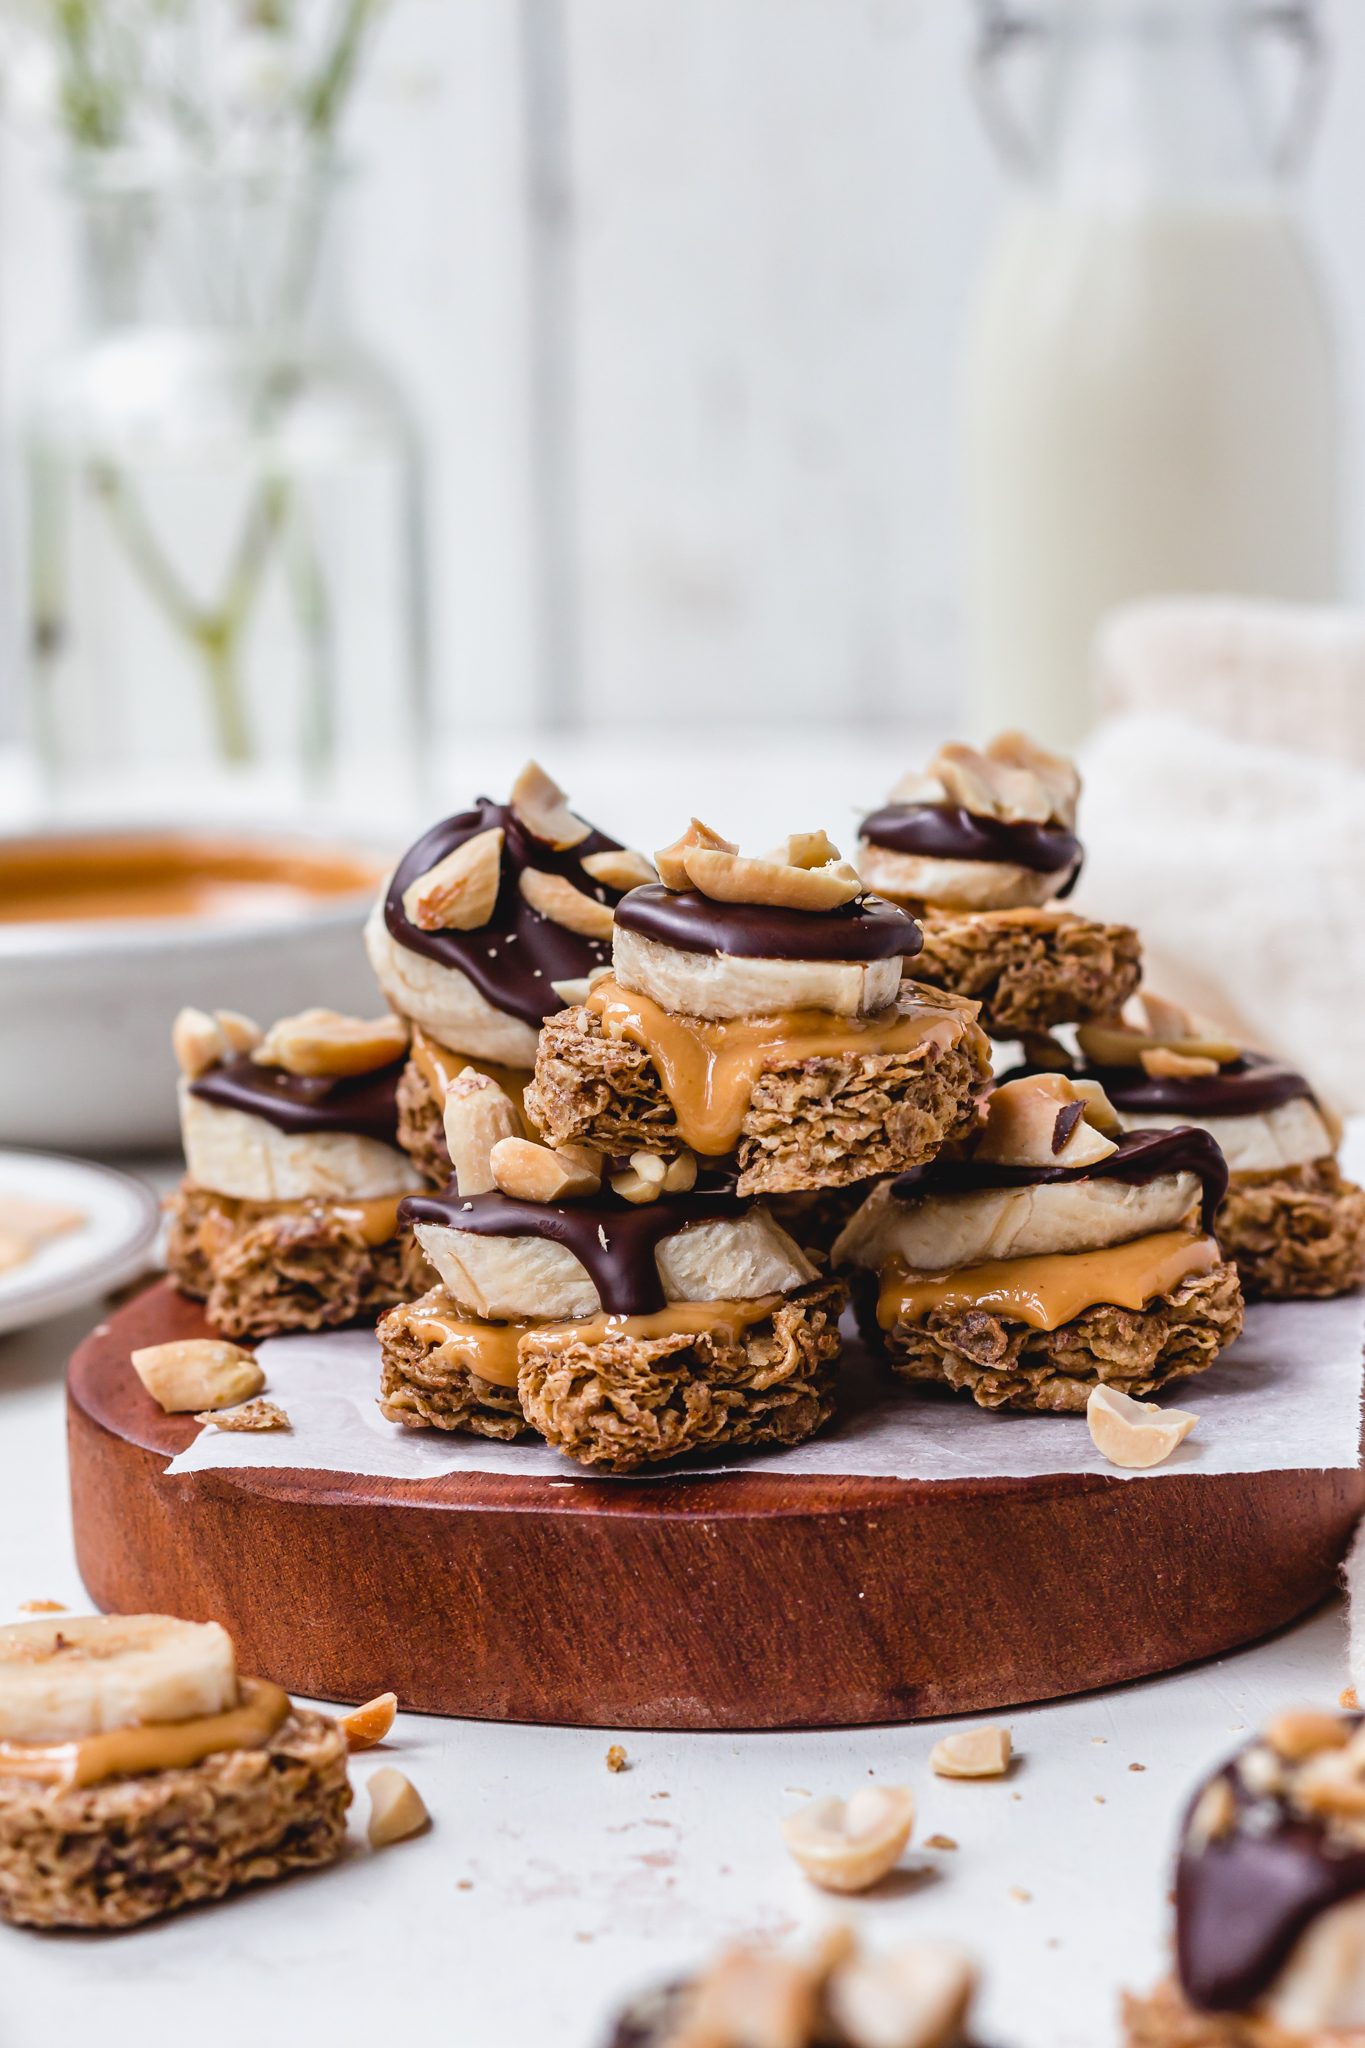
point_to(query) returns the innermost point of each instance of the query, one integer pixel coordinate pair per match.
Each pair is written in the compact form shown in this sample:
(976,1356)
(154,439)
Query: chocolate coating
(1247,1087)
(866,929)
(1142,1156)
(366,1105)
(514,958)
(951,832)
(1243,1901)
(623,1269)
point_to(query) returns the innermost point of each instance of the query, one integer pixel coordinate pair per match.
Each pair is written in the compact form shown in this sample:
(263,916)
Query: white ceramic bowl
(87,1002)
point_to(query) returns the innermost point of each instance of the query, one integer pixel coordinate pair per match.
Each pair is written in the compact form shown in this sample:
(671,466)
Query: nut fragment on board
(1134,1434)
(555,897)
(396,1809)
(197,1372)
(533,1173)
(478,1115)
(364,1726)
(621,868)
(848,1845)
(616,1758)
(972,1753)
(459,893)
(250,1415)
(325,1044)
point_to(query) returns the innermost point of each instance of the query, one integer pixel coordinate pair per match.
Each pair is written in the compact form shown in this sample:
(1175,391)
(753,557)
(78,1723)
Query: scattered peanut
(730,878)
(396,1809)
(846,1846)
(633,1187)
(622,870)
(533,1173)
(1134,1434)
(198,1042)
(555,897)
(541,806)
(669,859)
(197,1372)
(1161,1062)
(681,1174)
(325,1043)
(478,1115)
(616,1758)
(459,893)
(1045,1120)
(972,1753)
(364,1726)
(249,1415)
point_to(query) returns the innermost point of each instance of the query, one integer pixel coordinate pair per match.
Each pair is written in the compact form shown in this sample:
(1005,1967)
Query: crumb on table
(616,1758)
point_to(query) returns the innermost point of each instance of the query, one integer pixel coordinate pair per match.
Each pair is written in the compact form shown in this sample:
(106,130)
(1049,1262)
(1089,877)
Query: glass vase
(225,534)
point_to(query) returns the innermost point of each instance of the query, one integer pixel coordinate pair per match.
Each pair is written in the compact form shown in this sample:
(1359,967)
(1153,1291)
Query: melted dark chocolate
(866,929)
(364,1104)
(514,958)
(622,1269)
(1246,1087)
(1242,1902)
(1142,1156)
(951,832)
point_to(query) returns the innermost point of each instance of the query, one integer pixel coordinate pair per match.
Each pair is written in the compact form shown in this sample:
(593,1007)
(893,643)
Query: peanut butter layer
(490,1350)
(155,1746)
(1051,1289)
(438,1067)
(708,1069)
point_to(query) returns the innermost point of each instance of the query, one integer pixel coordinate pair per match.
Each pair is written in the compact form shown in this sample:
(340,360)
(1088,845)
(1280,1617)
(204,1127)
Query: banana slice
(86,1674)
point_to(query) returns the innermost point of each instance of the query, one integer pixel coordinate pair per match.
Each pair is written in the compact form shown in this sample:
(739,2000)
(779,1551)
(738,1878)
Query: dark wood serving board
(744,1601)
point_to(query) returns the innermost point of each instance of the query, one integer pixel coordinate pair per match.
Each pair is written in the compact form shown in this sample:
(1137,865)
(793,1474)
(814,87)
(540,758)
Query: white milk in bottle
(1150,392)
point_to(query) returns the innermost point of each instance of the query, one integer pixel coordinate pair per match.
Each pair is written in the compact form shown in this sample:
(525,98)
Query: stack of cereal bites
(613,1270)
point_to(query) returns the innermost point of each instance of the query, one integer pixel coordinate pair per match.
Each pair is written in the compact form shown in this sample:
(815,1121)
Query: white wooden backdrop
(730,280)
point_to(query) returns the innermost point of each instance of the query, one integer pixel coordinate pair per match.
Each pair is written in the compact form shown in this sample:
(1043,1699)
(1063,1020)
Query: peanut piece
(243,1034)
(681,1174)
(1215,1814)
(198,1042)
(623,870)
(1043,1120)
(990,788)
(650,1167)
(616,1758)
(848,1846)
(533,1173)
(556,898)
(669,859)
(541,806)
(973,1753)
(1058,778)
(633,1187)
(916,1997)
(197,1372)
(1302,1731)
(1161,1061)
(1117,1044)
(754,1997)
(804,850)
(729,878)
(323,1042)
(1134,1434)
(459,893)
(396,1809)
(478,1115)
(364,1726)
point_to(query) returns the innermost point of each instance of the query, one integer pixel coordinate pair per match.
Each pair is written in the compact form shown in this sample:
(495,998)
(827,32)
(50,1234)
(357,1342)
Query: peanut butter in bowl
(221,877)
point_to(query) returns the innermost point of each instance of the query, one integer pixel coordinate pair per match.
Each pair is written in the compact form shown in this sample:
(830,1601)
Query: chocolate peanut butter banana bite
(755,1012)
(626,1316)
(982,848)
(139,1773)
(480,920)
(1294,1226)
(916,1996)
(1058,1253)
(1270,1898)
(287,1218)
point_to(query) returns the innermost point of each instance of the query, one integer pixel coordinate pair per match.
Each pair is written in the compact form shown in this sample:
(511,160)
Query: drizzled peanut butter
(155,1746)
(374,1216)
(491,1350)
(439,1067)
(1049,1290)
(708,1069)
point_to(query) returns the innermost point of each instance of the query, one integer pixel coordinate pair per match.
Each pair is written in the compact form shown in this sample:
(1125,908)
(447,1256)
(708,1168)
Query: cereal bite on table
(1052,1253)
(140,1773)
(625,1316)
(478,923)
(982,848)
(1270,1898)
(1294,1226)
(755,1013)
(287,1218)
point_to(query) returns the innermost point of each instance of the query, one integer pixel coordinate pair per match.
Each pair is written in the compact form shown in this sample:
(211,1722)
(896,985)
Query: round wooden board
(750,1601)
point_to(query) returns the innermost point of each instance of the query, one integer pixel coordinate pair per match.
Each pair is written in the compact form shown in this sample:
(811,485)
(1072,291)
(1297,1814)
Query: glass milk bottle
(1150,392)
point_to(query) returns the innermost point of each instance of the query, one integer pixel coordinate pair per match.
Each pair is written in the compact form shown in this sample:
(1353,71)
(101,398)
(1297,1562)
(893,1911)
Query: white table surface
(548,1887)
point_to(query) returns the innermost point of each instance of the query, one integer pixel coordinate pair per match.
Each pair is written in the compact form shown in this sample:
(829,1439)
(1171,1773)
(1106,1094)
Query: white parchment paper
(1286,1396)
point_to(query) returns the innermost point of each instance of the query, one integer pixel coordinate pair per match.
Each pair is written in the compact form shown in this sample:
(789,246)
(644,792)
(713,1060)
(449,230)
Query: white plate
(122,1218)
